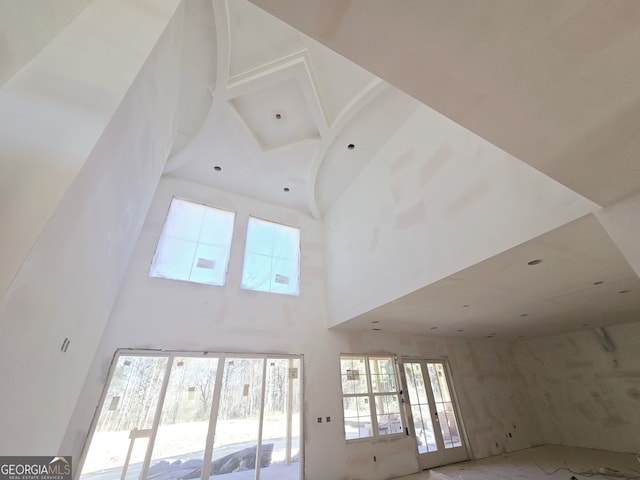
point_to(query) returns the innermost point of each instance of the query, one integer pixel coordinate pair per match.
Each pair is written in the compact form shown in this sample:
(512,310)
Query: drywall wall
(406,220)
(584,395)
(165,314)
(68,282)
(26,26)
(54,111)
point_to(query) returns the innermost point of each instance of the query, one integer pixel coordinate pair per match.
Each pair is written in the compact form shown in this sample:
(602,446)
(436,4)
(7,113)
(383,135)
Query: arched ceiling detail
(279,103)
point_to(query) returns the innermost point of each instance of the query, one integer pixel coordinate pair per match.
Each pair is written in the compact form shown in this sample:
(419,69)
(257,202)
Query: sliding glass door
(187,416)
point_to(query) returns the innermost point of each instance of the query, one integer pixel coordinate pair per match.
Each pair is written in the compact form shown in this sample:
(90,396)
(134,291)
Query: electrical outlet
(319,419)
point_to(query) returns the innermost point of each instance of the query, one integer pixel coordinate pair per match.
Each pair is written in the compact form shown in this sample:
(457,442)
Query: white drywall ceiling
(552,83)
(505,297)
(537,80)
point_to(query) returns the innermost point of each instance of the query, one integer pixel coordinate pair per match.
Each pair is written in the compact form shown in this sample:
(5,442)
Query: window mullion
(372,406)
(157,416)
(213,418)
(195,251)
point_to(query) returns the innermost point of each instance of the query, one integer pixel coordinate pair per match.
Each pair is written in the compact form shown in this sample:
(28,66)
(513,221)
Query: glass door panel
(421,413)
(120,439)
(178,450)
(281,425)
(444,406)
(236,441)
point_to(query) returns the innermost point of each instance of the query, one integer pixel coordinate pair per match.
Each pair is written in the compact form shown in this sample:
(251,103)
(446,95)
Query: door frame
(444,360)
(170,355)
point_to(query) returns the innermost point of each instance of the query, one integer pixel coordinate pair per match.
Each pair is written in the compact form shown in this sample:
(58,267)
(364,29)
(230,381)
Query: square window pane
(209,265)
(184,220)
(357,427)
(284,276)
(357,417)
(354,375)
(173,259)
(286,242)
(260,236)
(382,375)
(181,255)
(217,227)
(280,245)
(256,272)
(389,418)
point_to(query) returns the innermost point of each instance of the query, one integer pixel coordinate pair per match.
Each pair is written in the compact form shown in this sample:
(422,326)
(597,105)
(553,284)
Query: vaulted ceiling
(288,102)
(293,122)
(283,109)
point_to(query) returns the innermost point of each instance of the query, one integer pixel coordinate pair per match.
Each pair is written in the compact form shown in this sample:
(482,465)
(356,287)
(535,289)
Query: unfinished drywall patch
(584,395)
(411,215)
(427,200)
(436,163)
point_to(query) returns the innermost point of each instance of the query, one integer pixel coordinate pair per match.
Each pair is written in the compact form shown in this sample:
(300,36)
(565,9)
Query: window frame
(372,396)
(161,239)
(272,257)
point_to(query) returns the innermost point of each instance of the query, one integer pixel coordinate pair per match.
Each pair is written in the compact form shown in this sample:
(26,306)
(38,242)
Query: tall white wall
(584,395)
(54,111)
(166,314)
(431,203)
(27,26)
(73,253)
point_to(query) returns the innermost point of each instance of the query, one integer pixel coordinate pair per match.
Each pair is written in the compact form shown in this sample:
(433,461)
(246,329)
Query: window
(271,258)
(195,244)
(370,396)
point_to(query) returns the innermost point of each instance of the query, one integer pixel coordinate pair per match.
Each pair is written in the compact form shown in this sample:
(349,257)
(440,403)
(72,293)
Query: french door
(433,414)
(198,416)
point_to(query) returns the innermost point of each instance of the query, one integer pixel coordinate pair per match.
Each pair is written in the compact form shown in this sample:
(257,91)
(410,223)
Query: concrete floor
(548,462)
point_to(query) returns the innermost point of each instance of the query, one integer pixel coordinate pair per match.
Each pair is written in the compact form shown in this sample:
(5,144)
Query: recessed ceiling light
(585,324)
(537,261)
(599,282)
(461,329)
(375,321)
(351,146)
(465,306)
(491,336)
(434,328)
(286,189)
(524,314)
(376,329)
(217,168)
(520,336)
(278,116)
(624,291)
